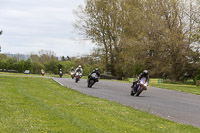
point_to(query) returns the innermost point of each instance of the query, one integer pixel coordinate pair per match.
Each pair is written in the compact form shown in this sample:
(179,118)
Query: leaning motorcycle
(92,80)
(77,76)
(140,86)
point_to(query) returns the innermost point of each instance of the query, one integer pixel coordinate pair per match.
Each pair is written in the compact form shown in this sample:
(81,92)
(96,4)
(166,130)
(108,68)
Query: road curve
(176,106)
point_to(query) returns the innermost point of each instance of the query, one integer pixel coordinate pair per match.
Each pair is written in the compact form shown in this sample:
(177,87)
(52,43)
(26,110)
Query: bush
(197,77)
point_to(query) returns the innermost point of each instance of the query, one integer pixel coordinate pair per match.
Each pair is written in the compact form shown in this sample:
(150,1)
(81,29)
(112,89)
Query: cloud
(30,26)
(62,47)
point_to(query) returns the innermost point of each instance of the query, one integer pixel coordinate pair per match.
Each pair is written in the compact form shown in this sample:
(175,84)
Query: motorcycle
(42,73)
(140,86)
(72,74)
(77,76)
(92,80)
(60,74)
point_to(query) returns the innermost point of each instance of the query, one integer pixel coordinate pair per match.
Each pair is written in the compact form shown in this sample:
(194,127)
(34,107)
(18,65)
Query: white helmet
(79,66)
(145,72)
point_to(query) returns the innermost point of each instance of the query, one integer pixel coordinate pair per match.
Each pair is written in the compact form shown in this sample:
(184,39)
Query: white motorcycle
(72,74)
(78,75)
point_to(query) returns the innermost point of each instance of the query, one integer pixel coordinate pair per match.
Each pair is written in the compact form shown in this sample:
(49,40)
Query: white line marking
(58,82)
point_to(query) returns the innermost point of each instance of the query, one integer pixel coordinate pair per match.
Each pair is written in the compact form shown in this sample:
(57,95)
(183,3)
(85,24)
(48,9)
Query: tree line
(46,60)
(161,36)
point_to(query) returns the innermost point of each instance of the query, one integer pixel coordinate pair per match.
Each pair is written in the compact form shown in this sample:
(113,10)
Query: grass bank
(32,104)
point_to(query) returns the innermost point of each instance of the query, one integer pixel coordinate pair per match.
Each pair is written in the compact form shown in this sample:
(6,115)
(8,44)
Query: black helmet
(145,72)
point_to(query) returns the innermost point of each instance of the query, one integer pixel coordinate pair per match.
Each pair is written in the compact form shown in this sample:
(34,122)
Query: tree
(28,65)
(63,58)
(47,56)
(52,67)
(97,22)
(161,35)
(0,34)
(37,67)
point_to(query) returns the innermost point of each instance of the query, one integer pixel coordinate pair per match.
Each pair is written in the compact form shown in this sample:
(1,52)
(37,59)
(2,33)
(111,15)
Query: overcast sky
(31,25)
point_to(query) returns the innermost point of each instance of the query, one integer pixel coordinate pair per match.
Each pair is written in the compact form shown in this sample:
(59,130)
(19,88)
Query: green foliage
(37,67)
(158,33)
(67,65)
(137,69)
(10,63)
(52,67)
(20,66)
(28,65)
(87,69)
(197,77)
(2,64)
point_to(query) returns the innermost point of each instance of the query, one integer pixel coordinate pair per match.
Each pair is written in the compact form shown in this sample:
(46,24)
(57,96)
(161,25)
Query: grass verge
(193,89)
(32,104)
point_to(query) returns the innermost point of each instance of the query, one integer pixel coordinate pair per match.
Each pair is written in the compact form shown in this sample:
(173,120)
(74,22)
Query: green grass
(39,105)
(179,87)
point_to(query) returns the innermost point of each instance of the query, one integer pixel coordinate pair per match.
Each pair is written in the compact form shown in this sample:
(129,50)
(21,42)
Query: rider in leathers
(144,74)
(79,69)
(72,69)
(96,70)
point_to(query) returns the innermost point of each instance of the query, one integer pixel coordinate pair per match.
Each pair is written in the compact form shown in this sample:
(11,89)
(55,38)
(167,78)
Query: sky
(32,25)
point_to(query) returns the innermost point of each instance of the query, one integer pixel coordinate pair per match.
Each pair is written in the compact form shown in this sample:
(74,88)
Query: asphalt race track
(177,106)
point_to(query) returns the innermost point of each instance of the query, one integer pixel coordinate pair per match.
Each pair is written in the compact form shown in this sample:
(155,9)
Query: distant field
(32,104)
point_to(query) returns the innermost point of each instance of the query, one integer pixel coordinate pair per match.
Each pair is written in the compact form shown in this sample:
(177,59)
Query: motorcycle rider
(60,73)
(96,70)
(72,69)
(42,72)
(144,74)
(72,72)
(79,69)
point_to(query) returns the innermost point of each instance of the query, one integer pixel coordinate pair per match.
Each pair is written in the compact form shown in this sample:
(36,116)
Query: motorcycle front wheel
(76,80)
(139,92)
(91,82)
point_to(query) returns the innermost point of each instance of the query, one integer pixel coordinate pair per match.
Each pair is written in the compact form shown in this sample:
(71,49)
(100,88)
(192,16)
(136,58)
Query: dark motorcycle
(92,80)
(140,86)
(77,76)
(60,74)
